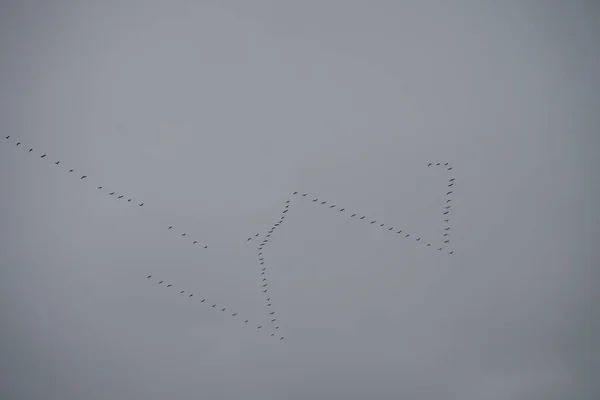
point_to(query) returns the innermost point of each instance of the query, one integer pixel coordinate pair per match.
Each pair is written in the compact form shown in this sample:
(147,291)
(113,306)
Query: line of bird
(110,193)
(214,305)
(372,222)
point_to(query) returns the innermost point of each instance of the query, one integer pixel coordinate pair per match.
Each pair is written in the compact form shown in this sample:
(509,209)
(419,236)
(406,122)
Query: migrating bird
(57,162)
(160,282)
(304,194)
(448,201)
(381,225)
(447,207)
(315,200)
(449,193)
(149,276)
(272,312)
(71,170)
(120,197)
(99,187)
(6,137)
(256,235)
(437,164)
(372,222)
(446,212)
(429,165)
(169,285)
(269,305)
(440,249)
(353,215)
(428,244)
(191,295)
(258,327)
(43,155)
(18,143)
(295,193)
(171,227)
(407,235)
(30,150)
(446,220)
(400,231)
(331,206)
(265,285)
(391,228)
(214,305)
(195,241)
(447,229)
(445,234)
(247,240)
(418,239)
(141,204)
(128,200)
(182,292)
(274,319)
(234,314)
(272,334)
(450,169)
(363,217)
(324,202)
(276,326)
(202,301)
(265,291)
(206,247)
(268,298)
(112,193)
(451,180)
(83,177)
(223,309)
(281,338)
(246,321)
(450,185)
(447,241)
(446,164)
(183,234)
(284,211)
(342,209)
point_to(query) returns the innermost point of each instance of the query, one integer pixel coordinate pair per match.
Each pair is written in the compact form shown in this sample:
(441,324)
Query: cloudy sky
(213,113)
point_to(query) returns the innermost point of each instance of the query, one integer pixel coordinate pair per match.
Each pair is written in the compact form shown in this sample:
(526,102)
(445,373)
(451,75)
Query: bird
(246,321)
(447,207)
(324,202)
(446,212)
(452,252)
(71,170)
(169,285)
(331,206)
(202,301)
(342,209)
(214,305)
(141,204)
(315,200)
(268,299)
(112,193)
(287,201)
(295,193)
(418,239)
(206,247)
(258,327)
(284,211)
(7,137)
(448,201)
(353,215)
(363,217)
(276,326)
(382,225)
(407,235)
(183,234)
(269,305)
(446,220)
(281,338)
(451,180)
(30,150)
(83,177)
(43,155)
(447,229)
(440,249)
(391,228)
(256,235)
(265,285)
(272,312)
(57,162)
(262,269)
(450,185)
(247,240)
(446,241)
(160,282)
(223,309)
(99,187)
(260,254)
(446,164)
(437,164)
(272,334)
(182,292)
(234,314)
(170,226)
(191,295)
(400,231)
(445,234)
(372,222)
(149,276)
(428,244)
(449,169)
(120,197)
(18,143)
(429,165)
(304,194)
(265,291)
(195,241)
(128,200)
(274,319)
(450,192)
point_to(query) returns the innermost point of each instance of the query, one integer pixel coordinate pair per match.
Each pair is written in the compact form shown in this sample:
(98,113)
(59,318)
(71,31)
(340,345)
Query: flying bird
(304,194)
(195,241)
(246,321)
(268,298)
(315,200)
(191,295)
(284,211)
(450,192)
(353,215)
(450,185)
(265,291)
(437,164)
(342,209)
(71,170)
(446,212)
(256,235)
(160,282)
(272,312)
(428,244)
(57,162)
(391,228)
(445,234)
(170,226)
(234,314)
(440,249)
(407,235)
(169,285)
(214,305)
(447,229)
(30,150)
(128,200)
(112,193)
(83,177)
(223,309)
(206,247)
(141,204)
(18,143)
(446,164)
(331,206)
(272,334)
(99,187)
(451,180)
(446,220)
(43,155)
(450,169)
(447,241)
(452,252)
(182,292)
(447,207)
(429,165)
(281,338)
(418,239)
(149,276)
(448,201)
(274,319)
(183,234)
(400,231)
(381,225)
(120,197)
(363,217)
(258,327)
(6,137)
(324,202)
(372,222)
(295,193)
(202,301)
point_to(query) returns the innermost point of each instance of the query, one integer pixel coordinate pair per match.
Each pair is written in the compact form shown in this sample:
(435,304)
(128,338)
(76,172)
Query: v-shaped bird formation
(264,240)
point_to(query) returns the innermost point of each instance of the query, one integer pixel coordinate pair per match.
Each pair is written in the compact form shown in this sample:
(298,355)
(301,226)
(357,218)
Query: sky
(213,113)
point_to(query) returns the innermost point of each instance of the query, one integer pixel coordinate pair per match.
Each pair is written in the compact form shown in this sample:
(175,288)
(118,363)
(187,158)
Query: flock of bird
(265,239)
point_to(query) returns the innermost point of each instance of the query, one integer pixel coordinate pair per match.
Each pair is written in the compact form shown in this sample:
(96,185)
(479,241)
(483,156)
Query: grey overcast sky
(213,112)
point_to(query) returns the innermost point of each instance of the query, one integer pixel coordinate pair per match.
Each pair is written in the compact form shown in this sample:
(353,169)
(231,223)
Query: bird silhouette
(331,206)
(418,239)
(18,143)
(447,229)
(195,241)
(30,150)
(202,301)
(447,207)
(7,137)
(191,295)
(128,200)
(43,155)
(428,244)
(99,187)
(265,291)
(295,193)
(258,327)
(234,314)
(450,169)
(407,235)
(141,204)
(272,312)
(57,162)
(160,282)
(169,285)
(149,276)
(206,247)
(83,177)
(183,234)
(222,309)
(353,215)
(440,249)
(429,165)
(112,193)
(363,217)
(246,321)
(182,292)
(452,252)
(437,164)
(214,305)
(372,222)
(450,192)
(315,200)
(452,180)
(391,228)
(400,231)
(381,225)
(120,197)
(71,170)
(324,202)
(303,194)
(446,212)
(447,241)
(342,209)
(171,227)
